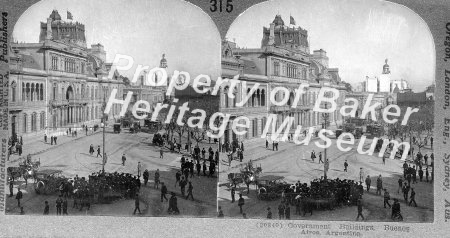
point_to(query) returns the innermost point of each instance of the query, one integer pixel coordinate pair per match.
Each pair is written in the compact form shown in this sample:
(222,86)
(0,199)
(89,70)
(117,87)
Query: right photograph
(330,113)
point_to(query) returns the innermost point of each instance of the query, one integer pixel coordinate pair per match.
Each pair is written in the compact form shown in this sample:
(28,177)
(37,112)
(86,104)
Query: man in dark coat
(233,192)
(136,204)
(412,198)
(360,210)
(46,208)
(19,196)
(190,188)
(281,208)
(163,192)
(241,203)
(146,175)
(368,182)
(379,185)
(173,204)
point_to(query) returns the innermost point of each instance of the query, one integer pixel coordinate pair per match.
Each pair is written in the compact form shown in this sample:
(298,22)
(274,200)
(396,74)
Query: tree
(198,134)
(180,130)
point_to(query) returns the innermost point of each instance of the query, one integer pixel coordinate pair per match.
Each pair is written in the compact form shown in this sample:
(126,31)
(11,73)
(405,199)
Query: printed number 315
(218,5)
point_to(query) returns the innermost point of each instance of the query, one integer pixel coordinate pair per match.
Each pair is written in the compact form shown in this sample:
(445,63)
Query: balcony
(236,111)
(280,108)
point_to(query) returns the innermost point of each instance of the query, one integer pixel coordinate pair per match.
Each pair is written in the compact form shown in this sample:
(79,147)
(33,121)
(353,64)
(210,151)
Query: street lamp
(325,117)
(104,154)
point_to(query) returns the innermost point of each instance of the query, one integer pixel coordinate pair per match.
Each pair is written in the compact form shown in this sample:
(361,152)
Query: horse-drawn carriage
(248,174)
(271,187)
(48,181)
(27,169)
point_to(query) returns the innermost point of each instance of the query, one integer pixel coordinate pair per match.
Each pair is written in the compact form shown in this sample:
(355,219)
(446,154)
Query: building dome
(278,21)
(163,62)
(55,16)
(386,68)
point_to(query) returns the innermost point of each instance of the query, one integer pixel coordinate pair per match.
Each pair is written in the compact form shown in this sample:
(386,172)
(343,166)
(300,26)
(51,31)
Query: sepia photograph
(373,62)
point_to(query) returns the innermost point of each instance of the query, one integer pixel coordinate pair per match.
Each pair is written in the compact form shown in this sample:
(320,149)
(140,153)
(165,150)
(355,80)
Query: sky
(142,29)
(358,35)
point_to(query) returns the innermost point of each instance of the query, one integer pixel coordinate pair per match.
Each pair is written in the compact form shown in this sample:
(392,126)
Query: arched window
(13,91)
(24,125)
(226,99)
(23,91)
(28,92)
(41,92)
(42,120)
(249,102)
(32,92)
(263,98)
(258,98)
(33,122)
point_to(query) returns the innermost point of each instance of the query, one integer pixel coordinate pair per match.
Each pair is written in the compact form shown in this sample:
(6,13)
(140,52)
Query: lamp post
(325,164)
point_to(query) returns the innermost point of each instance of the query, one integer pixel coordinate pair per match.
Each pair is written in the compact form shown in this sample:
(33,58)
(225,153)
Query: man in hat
(240,203)
(157,182)
(190,188)
(412,198)
(379,185)
(163,192)
(269,213)
(345,166)
(360,210)
(386,198)
(19,196)
(136,204)
(123,159)
(368,182)
(146,175)
(220,215)
(396,209)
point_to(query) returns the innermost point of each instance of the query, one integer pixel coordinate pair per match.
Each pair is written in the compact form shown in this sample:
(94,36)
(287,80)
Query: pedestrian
(51,140)
(177,177)
(427,174)
(386,198)
(139,169)
(240,203)
(157,181)
(267,144)
(220,215)
(183,186)
(45,137)
(146,176)
(396,210)
(361,174)
(313,155)
(91,149)
(281,208)
(163,192)
(161,154)
(190,188)
(287,211)
(384,160)
(173,204)
(273,145)
(54,139)
(269,213)
(406,189)
(345,166)
(11,187)
(233,192)
(368,182)
(59,202)
(46,208)
(379,185)
(136,204)
(320,157)
(400,183)
(123,159)
(360,210)
(19,196)
(204,168)
(64,206)
(99,152)
(412,198)
(431,142)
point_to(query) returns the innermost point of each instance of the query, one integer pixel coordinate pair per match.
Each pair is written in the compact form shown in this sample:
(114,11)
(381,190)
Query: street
(73,159)
(294,163)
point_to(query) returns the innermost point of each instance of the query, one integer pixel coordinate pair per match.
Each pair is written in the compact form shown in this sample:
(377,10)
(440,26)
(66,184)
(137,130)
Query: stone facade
(283,60)
(59,82)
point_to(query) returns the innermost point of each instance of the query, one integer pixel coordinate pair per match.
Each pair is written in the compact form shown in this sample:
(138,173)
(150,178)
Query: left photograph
(106,115)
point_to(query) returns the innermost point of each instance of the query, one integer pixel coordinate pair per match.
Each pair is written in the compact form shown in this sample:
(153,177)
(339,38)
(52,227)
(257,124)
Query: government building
(59,82)
(283,60)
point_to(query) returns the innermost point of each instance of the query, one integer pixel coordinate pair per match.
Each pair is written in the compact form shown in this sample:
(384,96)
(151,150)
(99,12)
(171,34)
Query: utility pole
(325,164)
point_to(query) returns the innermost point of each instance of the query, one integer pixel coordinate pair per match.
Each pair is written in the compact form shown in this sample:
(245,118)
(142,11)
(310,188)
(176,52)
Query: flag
(292,21)
(69,16)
